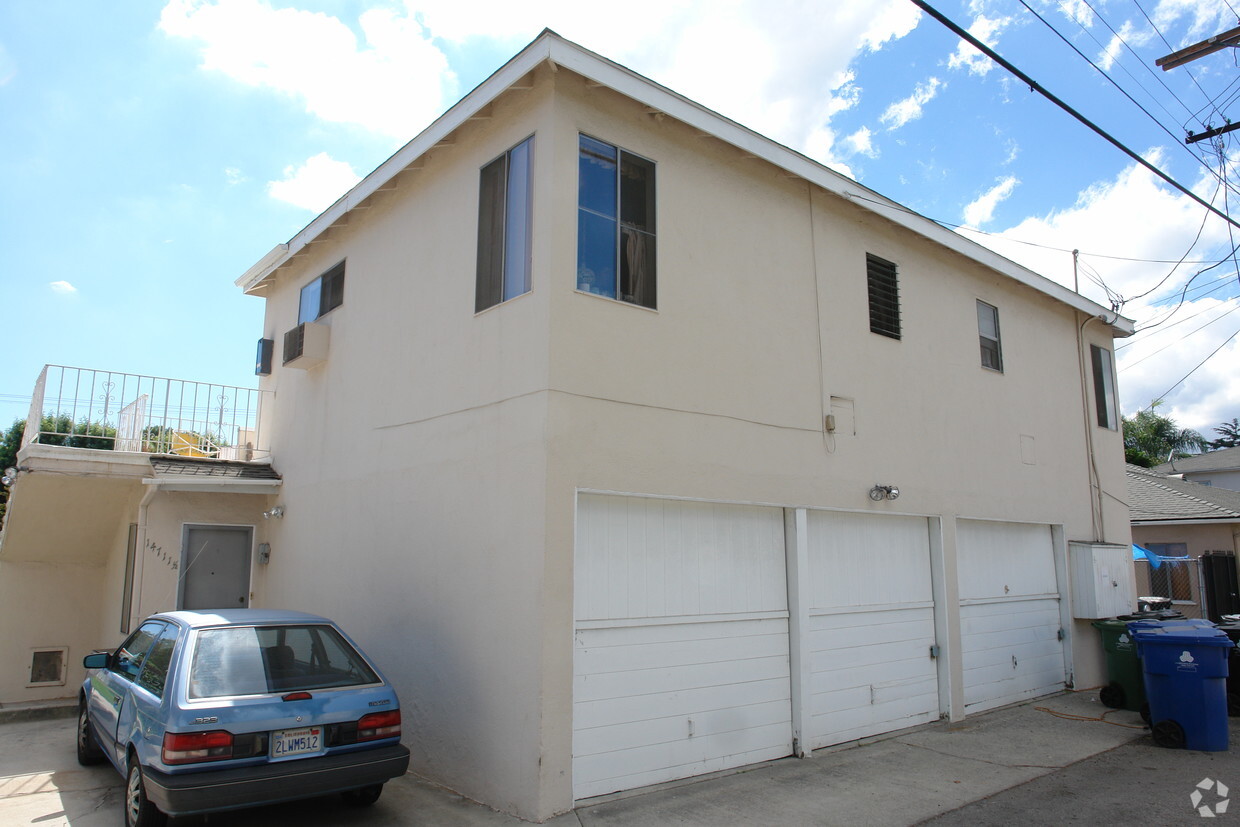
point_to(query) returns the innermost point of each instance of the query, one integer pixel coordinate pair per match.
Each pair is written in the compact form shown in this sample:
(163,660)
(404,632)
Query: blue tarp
(1155,560)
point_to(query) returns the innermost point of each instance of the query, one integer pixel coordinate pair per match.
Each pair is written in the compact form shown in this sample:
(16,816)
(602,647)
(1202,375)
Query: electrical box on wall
(1104,582)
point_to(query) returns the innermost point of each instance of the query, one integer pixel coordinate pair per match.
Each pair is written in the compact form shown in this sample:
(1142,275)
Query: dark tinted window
(253,660)
(128,659)
(155,670)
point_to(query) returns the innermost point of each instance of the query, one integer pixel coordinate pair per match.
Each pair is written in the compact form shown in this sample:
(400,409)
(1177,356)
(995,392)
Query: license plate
(286,743)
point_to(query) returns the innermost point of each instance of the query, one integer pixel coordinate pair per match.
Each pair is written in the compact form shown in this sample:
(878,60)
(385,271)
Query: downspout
(1095,479)
(135,606)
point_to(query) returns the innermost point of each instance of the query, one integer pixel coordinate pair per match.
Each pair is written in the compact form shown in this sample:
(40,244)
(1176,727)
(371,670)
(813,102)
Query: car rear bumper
(211,791)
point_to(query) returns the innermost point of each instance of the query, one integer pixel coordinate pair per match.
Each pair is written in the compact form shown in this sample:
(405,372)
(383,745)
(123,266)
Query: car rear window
(254,660)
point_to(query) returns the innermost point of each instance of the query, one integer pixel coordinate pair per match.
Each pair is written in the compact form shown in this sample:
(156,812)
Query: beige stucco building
(634,446)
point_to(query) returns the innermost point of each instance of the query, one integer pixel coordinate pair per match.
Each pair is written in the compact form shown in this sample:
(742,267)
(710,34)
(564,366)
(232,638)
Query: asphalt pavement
(1065,759)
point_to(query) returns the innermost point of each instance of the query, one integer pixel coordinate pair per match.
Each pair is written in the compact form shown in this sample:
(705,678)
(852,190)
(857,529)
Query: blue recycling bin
(1185,673)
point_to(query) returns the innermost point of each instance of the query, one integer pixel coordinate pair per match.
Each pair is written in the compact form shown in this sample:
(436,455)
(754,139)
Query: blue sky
(151,152)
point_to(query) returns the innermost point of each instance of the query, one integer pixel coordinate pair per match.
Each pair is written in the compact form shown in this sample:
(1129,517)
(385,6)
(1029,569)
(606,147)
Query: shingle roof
(1226,459)
(1153,497)
(169,466)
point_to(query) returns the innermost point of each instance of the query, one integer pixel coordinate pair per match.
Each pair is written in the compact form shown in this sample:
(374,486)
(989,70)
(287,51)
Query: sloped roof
(1226,459)
(169,466)
(550,48)
(1154,497)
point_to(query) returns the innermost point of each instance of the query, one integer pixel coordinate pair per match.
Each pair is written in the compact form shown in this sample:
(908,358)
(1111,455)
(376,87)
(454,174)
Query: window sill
(614,300)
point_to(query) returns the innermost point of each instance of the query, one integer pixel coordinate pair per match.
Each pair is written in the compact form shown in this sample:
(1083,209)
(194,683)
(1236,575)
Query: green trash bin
(1126,683)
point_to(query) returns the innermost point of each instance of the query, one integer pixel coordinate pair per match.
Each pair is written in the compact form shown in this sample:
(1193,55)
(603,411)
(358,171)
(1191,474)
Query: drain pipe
(135,606)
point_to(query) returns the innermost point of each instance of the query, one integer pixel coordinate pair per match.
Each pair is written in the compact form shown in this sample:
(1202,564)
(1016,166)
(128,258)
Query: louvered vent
(884,296)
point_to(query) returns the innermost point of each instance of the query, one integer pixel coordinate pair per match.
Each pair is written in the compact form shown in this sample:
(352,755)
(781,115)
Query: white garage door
(871,626)
(1009,613)
(681,645)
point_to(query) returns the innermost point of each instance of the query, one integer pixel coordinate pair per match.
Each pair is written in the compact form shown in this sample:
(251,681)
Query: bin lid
(1180,635)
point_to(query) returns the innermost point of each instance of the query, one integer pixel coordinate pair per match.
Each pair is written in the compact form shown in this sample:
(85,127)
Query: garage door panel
(1004,559)
(644,682)
(611,711)
(750,641)
(871,626)
(632,768)
(676,727)
(640,557)
(681,661)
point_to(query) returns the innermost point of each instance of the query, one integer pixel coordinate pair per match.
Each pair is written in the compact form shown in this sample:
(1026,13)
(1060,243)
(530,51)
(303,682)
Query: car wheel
(139,811)
(88,751)
(363,797)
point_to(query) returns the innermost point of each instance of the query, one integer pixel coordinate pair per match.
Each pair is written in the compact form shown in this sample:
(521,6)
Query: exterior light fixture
(884,492)
(276,511)
(10,476)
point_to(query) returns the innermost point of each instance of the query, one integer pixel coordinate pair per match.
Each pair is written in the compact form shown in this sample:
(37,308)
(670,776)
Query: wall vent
(47,666)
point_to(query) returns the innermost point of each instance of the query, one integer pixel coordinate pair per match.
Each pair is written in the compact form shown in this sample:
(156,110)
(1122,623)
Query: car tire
(139,811)
(363,797)
(88,751)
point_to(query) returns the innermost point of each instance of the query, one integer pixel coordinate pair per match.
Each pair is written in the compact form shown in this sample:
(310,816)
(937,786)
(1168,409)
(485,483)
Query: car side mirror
(96,660)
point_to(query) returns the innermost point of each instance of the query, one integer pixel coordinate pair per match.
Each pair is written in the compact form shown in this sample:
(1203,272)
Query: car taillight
(379,725)
(190,747)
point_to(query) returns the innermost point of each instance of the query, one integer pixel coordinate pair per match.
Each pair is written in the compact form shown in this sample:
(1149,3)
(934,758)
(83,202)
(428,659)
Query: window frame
(990,345)
(497,279)
(633,215)
(1106,397)
(883,291)
(324,300)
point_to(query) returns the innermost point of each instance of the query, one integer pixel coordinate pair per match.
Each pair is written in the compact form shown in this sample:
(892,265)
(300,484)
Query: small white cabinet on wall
(1104,582)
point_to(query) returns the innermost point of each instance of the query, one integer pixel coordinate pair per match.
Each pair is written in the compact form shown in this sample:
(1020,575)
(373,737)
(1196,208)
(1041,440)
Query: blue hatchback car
(210,711)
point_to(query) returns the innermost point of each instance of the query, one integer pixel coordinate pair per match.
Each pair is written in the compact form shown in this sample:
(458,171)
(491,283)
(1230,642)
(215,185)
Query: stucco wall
(431,464)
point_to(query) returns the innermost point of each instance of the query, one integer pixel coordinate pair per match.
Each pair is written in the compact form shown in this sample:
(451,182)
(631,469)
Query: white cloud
(64,288)
(909,109)
(1127,34)
(316,184)
(987,30)
(234,176)
(982,209)
(393,82)
(861,143)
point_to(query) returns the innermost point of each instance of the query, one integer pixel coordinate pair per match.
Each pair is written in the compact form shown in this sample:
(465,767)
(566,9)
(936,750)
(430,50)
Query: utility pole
(1206,47)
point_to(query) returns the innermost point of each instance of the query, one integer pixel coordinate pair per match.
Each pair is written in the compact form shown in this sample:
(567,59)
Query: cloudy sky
(152,151)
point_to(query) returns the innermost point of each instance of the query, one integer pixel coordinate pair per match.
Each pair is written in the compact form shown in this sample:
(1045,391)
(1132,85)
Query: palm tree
(1151,439)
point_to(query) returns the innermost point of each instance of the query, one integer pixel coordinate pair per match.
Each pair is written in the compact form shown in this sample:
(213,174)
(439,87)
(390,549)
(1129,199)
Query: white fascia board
(214,485)
(550,46)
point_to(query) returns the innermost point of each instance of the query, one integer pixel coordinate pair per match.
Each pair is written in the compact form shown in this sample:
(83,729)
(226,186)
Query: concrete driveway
(1050,761)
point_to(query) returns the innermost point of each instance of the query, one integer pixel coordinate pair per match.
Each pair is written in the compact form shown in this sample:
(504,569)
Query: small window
(1104,387)
(128,659)
(988,336)
(155,670)
(504,227)
(47,666)
(615,223)
(322,295)
(884,296)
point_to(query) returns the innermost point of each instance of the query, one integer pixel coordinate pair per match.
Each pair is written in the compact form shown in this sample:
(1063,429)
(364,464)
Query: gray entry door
(215,567)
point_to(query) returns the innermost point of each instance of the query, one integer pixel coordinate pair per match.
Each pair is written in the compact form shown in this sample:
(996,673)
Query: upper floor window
(615,224)
(504,227)
(988,336)
(884,296)
(1104,387)
(321,295)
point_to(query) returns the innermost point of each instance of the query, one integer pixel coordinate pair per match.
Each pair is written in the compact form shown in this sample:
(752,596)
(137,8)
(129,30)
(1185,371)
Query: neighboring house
(635,445)
(1179,519)
(1219,468)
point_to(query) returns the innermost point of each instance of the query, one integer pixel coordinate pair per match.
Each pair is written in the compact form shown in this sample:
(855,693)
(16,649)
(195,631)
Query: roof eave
(549,46)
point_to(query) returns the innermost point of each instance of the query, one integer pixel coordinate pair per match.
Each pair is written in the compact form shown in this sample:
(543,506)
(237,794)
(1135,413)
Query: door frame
(182,568)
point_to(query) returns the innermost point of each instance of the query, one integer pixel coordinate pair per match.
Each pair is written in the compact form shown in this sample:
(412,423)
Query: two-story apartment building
(634,445)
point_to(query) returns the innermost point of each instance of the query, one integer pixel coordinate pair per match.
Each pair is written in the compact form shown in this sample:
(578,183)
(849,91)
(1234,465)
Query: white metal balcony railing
(83,408)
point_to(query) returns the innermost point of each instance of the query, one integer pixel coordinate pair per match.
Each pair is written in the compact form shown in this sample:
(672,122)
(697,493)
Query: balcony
(126,412)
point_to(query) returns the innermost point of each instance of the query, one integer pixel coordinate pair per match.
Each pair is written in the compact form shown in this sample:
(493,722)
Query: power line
(1179,340)
(1163,395)
(1036,87)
